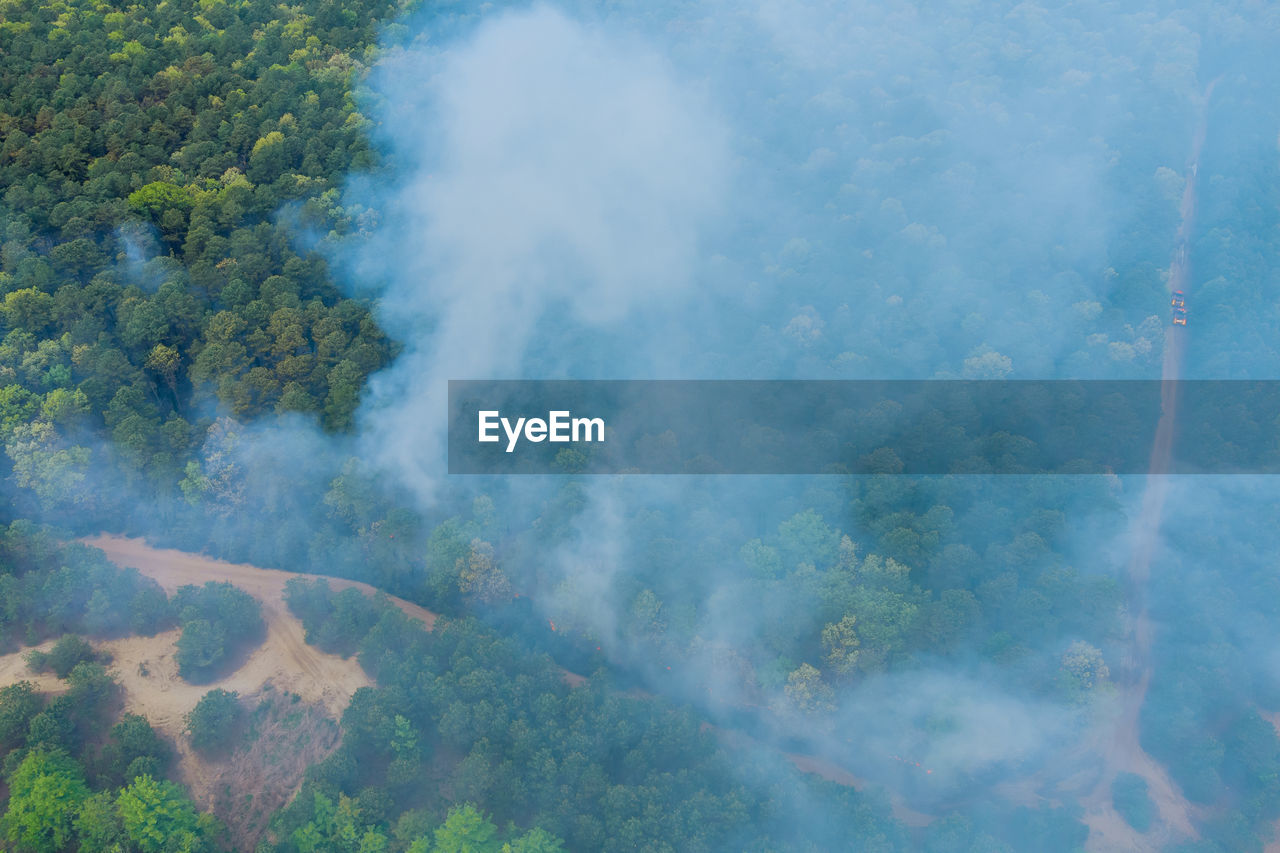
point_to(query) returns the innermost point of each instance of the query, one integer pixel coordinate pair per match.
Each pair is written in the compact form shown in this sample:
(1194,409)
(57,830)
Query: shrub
(219,621)
(214,721)
(63,657)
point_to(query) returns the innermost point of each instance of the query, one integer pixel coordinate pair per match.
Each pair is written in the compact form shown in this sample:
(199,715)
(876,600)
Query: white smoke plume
(546,167)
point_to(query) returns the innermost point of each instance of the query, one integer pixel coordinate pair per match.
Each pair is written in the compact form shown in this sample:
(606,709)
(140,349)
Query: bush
(310,601)
(63,657)
(19,703)
(49,588)
(213,722)
(218,622)
(134,749)
(335,623)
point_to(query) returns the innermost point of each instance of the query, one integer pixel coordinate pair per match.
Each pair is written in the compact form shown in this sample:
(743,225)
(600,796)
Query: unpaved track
(150,685)
(1124,752)
(284,658)
(148,673)
(172,569)
(13,668)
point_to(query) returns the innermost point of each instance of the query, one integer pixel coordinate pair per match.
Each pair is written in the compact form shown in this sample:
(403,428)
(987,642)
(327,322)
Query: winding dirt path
(148,673)
(284,659)
(268,772)
(172,568)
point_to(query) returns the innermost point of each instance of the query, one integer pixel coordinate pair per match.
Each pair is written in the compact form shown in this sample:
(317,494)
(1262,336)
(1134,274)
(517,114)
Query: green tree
(480,577)
(218,621)
(213,722)
(46,792)
(808,692)
(133,749)
(536,840)
(19,703)
(29,308)
(98,825)
(646,615)
(840,639)
(158,197)
(157,816)
(467,830)
(201,647)
(64,408)
(165,361)
(55,471)
(1083,670)
(63,657)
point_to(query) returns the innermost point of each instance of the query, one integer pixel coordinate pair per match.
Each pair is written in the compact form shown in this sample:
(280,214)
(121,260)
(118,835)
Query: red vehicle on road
(1179,299)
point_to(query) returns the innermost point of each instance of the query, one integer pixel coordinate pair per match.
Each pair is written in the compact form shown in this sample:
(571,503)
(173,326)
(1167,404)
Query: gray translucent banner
(862,427)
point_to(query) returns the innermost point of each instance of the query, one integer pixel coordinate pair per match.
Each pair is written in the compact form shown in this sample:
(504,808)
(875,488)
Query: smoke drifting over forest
(788,191)
(731,191)
(547,173)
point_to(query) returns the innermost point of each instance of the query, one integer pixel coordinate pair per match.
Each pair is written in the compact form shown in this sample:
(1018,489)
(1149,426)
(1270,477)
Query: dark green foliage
(76,717)
(600,770)
(132,749)
(54,727)
(201,648)
(63,657)
(219,622)
(19,703)
(213,723)
(335,623)
(155,133)
(51,588)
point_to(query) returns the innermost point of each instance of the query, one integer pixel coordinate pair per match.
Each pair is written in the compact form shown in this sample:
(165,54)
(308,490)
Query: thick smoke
(546,171)
(803,191)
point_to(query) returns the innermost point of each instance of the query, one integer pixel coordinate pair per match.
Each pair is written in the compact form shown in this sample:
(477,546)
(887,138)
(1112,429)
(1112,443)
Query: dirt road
(1124,753)
(284,659)
(290,740)
(172,569)
(148,673)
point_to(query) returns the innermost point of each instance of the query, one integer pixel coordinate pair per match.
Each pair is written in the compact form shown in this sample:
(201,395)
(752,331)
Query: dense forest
(242,244)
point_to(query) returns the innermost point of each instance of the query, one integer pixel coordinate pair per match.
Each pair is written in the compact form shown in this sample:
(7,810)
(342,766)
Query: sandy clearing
(283,663)
(13,668)
(172,569)
(265,772)
(147,673)
(284,659)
